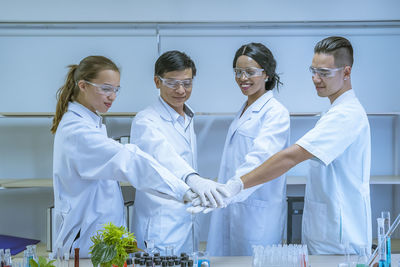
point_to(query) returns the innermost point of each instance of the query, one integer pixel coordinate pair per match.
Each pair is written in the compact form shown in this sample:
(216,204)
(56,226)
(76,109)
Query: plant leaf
(102,253)
(33,263)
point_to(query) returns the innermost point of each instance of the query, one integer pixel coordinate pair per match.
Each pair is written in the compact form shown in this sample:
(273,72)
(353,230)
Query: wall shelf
(291,180)
(132,114)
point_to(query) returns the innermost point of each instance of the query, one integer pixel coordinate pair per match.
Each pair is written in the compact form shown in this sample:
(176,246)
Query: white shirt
(337,203)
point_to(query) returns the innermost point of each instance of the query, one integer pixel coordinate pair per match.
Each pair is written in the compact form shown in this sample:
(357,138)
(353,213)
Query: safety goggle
(248,72)
(175,84)
(105,89)
(324,72)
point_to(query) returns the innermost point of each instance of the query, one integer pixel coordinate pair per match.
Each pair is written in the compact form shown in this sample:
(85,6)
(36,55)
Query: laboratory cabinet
(26,164)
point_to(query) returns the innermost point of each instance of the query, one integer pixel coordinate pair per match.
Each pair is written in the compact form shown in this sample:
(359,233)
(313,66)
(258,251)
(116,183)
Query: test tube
(381,242)
(1,257)
(386,216)
(7,258)
(66,259)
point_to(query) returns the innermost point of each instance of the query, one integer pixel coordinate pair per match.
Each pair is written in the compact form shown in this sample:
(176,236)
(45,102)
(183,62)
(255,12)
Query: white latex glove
(207,189)
(198,209)
(189,196)
(233,187)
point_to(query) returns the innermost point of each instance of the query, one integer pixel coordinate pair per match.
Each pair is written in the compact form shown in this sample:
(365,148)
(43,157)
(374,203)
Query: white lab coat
(156,130)
(86,165)
(260,215)
(337,203)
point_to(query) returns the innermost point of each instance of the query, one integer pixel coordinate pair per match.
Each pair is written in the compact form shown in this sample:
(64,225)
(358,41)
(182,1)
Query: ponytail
(65,94)
(273,80)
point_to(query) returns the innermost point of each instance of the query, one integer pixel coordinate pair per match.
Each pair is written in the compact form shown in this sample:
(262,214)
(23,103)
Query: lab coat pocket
(257,221)
(250,133)
(315,220)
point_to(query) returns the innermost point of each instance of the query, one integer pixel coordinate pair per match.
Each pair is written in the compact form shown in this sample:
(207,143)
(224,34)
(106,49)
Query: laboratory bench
(246,261)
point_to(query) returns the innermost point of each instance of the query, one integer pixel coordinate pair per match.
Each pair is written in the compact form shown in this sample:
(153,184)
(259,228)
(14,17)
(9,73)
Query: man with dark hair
(337,210)
(165,131)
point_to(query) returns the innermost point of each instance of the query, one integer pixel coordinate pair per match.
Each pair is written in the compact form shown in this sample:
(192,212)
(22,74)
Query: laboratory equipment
(34,253)
(386,216)
(1,257)
(381,240)
(280,255)
(129,262)
(200,257)
(76,257)
(66,259)
(388,234)
(7,258)
(362,260)
(169,251)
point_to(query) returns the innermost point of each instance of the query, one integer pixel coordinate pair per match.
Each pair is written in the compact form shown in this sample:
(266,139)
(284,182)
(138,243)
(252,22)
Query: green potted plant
(42,262)
(111,246)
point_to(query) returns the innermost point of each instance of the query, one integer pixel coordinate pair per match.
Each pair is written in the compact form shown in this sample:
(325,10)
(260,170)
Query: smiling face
(175,97)
(92,98)
(252,87)
(331,87)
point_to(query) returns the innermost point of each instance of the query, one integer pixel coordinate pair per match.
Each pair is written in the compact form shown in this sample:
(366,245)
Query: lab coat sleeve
(95,156)
(272,137)
(334,132)
(146,134)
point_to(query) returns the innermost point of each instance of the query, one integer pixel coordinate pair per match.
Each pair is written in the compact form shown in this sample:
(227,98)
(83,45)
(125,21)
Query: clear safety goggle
(324,72)
(248,72)
(105,89)
(175,84)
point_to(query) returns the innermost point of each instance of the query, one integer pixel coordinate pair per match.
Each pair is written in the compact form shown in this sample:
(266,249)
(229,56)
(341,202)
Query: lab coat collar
(85,113)
(261,101)
(350,94)
(171,114)
(247,115)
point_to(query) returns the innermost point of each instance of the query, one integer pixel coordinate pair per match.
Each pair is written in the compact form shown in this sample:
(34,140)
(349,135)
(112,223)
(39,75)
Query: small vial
(1,257)
(129,262)
(34,253)
(157,262)
(66,259)
(137,262)
(149,263)
(183,263)
(138,255)
(386,216)
(164,263)
(7,258)
(171,263)
(177,263)
(190,263)
(142,262)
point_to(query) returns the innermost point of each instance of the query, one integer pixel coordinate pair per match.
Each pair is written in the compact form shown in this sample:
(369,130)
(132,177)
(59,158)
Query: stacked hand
(207,190)
(229,190)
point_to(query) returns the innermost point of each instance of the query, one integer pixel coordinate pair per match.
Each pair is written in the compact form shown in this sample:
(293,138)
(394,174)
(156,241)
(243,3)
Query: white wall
(36,40)
(197,11)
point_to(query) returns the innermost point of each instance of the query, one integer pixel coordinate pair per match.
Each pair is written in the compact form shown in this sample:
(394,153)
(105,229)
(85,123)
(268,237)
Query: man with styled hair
(165,131)
(337,210)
